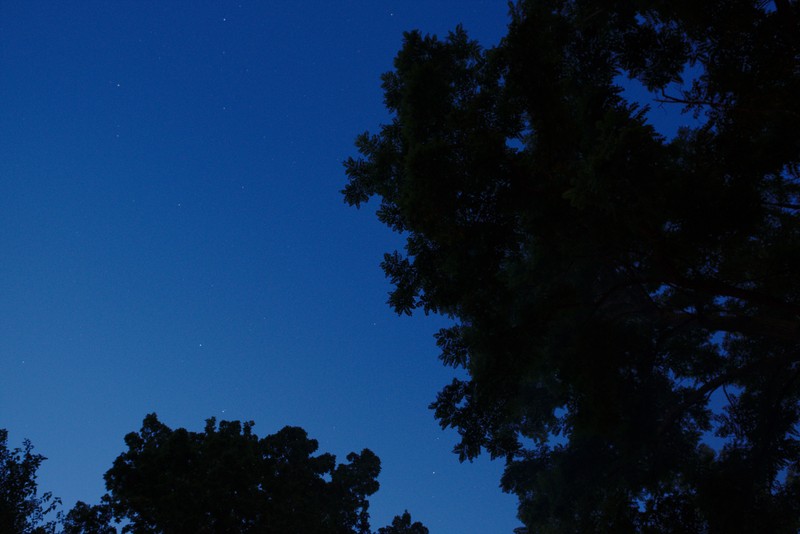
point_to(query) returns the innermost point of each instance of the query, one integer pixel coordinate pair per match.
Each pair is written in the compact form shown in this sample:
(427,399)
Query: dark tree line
(606,281)
(222,480)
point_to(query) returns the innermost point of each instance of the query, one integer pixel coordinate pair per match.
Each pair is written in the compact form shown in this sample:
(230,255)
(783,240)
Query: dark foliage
(402,525)
(22,510)
(85,519)
(227,480)
(606,281)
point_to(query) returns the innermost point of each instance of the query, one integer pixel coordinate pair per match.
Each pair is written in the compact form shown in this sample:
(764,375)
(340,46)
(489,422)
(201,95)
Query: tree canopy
(403,525)
(228,480)
(22,509)
(608,283)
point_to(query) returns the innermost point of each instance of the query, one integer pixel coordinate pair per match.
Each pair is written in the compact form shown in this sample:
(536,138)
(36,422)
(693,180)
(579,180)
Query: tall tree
(607,282)
(228,480)
(22,509)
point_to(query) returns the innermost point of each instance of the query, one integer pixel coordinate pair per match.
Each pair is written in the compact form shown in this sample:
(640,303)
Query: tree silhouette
(606,281)
(22,510)
(403,525)
(228,480)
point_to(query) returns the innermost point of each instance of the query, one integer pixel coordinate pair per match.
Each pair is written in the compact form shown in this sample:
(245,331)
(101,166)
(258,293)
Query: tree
(22,510)
(403,525)
(227,480)
(607,282)
(85,519)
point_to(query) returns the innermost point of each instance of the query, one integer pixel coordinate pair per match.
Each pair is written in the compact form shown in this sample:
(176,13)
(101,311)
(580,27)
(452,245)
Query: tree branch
(668,99)
(771,327)
(711,287)
(703,392)
(782,205)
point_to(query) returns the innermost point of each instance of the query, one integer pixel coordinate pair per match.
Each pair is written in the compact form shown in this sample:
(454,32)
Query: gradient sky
(173,240)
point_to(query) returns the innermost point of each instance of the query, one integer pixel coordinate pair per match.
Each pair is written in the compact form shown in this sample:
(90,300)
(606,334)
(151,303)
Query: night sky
(174,241)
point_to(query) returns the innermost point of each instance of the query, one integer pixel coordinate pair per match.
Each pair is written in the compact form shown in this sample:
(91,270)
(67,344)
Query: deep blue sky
(173,239)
